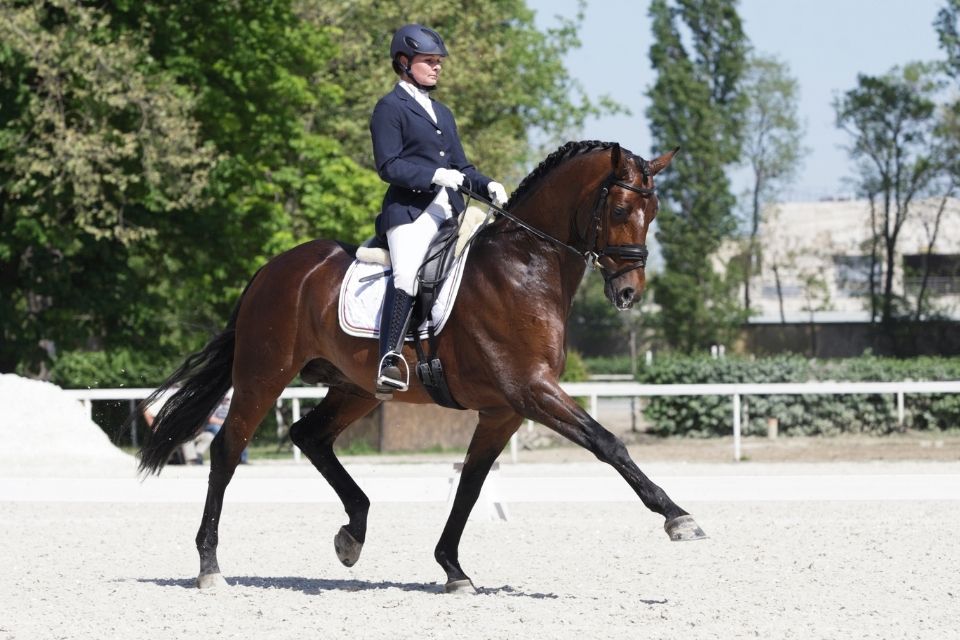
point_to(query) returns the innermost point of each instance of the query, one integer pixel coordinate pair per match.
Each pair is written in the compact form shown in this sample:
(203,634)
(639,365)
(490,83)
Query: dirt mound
(45,432)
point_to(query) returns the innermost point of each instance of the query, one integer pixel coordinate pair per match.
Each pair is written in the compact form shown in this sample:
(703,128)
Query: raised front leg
(548,404)
(493,432)
(315,434)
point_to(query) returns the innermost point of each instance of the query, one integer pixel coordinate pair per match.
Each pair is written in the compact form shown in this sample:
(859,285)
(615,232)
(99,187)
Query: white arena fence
(596,390)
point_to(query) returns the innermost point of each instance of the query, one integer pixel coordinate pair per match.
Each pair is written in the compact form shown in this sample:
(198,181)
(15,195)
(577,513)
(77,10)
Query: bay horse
(503,348)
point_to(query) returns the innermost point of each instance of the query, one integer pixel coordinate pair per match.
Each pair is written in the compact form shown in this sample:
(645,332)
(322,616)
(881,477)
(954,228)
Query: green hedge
(108,370)
(702,416)
(575,369)
(697,416)
(609,364)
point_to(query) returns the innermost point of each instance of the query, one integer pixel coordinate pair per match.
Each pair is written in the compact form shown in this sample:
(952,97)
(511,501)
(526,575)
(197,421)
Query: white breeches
(409,242)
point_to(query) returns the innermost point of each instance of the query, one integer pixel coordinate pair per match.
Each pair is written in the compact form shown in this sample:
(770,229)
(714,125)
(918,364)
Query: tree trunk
(874,260)
(929,252)
(776,279)
(752,248)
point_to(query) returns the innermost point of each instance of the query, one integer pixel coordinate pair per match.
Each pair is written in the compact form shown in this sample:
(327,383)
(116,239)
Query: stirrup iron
(394,322)
(388,384)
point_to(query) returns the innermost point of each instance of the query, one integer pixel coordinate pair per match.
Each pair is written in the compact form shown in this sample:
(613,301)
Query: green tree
(156,154)
(595,327)
(504,80)
(699,53)
(947,139)
(947,26)
(891,120)
(772,145)
(197,139)
(263,100)
(97,146)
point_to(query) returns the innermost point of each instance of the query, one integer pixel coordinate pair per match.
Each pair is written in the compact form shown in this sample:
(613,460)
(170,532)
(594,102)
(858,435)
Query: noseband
(636,253)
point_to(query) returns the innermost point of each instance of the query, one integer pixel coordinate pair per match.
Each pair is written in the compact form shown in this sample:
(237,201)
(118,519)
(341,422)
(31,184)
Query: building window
(853,275)
(943,273)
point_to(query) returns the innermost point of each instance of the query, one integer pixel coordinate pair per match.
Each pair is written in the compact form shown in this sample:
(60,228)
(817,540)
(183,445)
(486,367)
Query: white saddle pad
(361,302)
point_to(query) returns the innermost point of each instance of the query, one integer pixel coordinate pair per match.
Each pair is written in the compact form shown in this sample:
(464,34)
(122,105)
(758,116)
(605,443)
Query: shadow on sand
(313,586)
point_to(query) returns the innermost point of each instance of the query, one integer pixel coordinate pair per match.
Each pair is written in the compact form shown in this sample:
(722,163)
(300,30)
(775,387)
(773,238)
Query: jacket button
(439,132)
(442,153)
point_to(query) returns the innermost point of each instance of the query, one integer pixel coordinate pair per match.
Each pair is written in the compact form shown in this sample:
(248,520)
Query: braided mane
(567,151)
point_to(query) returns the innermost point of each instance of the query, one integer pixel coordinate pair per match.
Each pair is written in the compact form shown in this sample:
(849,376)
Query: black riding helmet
(412,39)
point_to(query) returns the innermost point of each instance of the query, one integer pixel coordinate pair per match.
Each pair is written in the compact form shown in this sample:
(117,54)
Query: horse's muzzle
(621,297)
(625,298)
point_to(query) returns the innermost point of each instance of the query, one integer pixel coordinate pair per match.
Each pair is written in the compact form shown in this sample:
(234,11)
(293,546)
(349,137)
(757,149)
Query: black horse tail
(200,383)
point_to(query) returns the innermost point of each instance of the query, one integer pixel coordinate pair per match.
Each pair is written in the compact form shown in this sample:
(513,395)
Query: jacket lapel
(414,106)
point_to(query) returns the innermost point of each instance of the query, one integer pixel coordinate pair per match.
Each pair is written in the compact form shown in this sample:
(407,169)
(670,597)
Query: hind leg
(315,434)
(493,432)
(247,409)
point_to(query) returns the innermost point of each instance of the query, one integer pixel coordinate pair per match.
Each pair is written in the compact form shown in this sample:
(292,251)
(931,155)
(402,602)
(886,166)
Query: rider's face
(425,68)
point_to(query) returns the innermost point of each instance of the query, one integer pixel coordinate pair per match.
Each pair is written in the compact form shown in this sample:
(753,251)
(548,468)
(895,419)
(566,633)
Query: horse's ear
(659,164)
(615,156)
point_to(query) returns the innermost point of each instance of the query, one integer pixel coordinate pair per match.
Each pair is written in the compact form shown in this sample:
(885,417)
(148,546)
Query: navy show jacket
(408,147)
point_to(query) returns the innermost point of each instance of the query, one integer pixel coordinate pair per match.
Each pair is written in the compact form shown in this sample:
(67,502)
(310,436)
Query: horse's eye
(619,212)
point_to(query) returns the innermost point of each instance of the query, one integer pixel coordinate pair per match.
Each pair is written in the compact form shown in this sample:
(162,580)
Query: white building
(815,258)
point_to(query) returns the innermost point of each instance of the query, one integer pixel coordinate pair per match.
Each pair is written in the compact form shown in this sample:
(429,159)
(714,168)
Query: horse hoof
(211,581)
(460,586)
(347,548)
(683,528)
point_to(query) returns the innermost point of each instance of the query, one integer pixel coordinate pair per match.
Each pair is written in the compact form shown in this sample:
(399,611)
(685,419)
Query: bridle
(635,253)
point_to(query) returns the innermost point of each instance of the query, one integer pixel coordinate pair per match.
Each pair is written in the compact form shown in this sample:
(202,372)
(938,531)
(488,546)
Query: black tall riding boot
(394,321)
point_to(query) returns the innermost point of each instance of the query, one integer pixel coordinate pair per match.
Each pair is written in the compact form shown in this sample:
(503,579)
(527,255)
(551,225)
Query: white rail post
(295,418)
(594,406)
(900,412)
(736,427)
(133,422)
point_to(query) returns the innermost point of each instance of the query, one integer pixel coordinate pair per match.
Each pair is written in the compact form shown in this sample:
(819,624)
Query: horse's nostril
(626,295)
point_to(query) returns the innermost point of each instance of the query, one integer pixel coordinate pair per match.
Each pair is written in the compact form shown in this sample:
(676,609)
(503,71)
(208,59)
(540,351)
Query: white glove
(498,193)
(449,178)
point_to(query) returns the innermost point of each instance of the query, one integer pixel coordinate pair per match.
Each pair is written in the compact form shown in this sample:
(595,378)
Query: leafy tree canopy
(154,154)
(892,123)
(504,80)
(699,53)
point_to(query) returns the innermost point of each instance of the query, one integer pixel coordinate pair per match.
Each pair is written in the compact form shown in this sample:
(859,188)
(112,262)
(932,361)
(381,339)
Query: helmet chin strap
(408,72)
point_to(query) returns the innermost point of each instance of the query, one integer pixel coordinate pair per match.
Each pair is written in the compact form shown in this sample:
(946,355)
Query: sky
(826,43)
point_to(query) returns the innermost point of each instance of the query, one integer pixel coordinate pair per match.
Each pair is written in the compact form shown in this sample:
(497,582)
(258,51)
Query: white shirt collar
(421,97)
(416,92)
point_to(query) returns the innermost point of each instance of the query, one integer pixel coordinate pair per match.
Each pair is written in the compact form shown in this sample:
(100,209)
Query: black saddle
(433,272)
(439,260)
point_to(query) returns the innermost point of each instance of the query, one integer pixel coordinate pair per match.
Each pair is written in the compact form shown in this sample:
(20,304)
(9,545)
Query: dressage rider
(418,153)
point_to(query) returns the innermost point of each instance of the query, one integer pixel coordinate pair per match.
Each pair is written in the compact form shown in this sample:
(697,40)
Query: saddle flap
(437,263)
